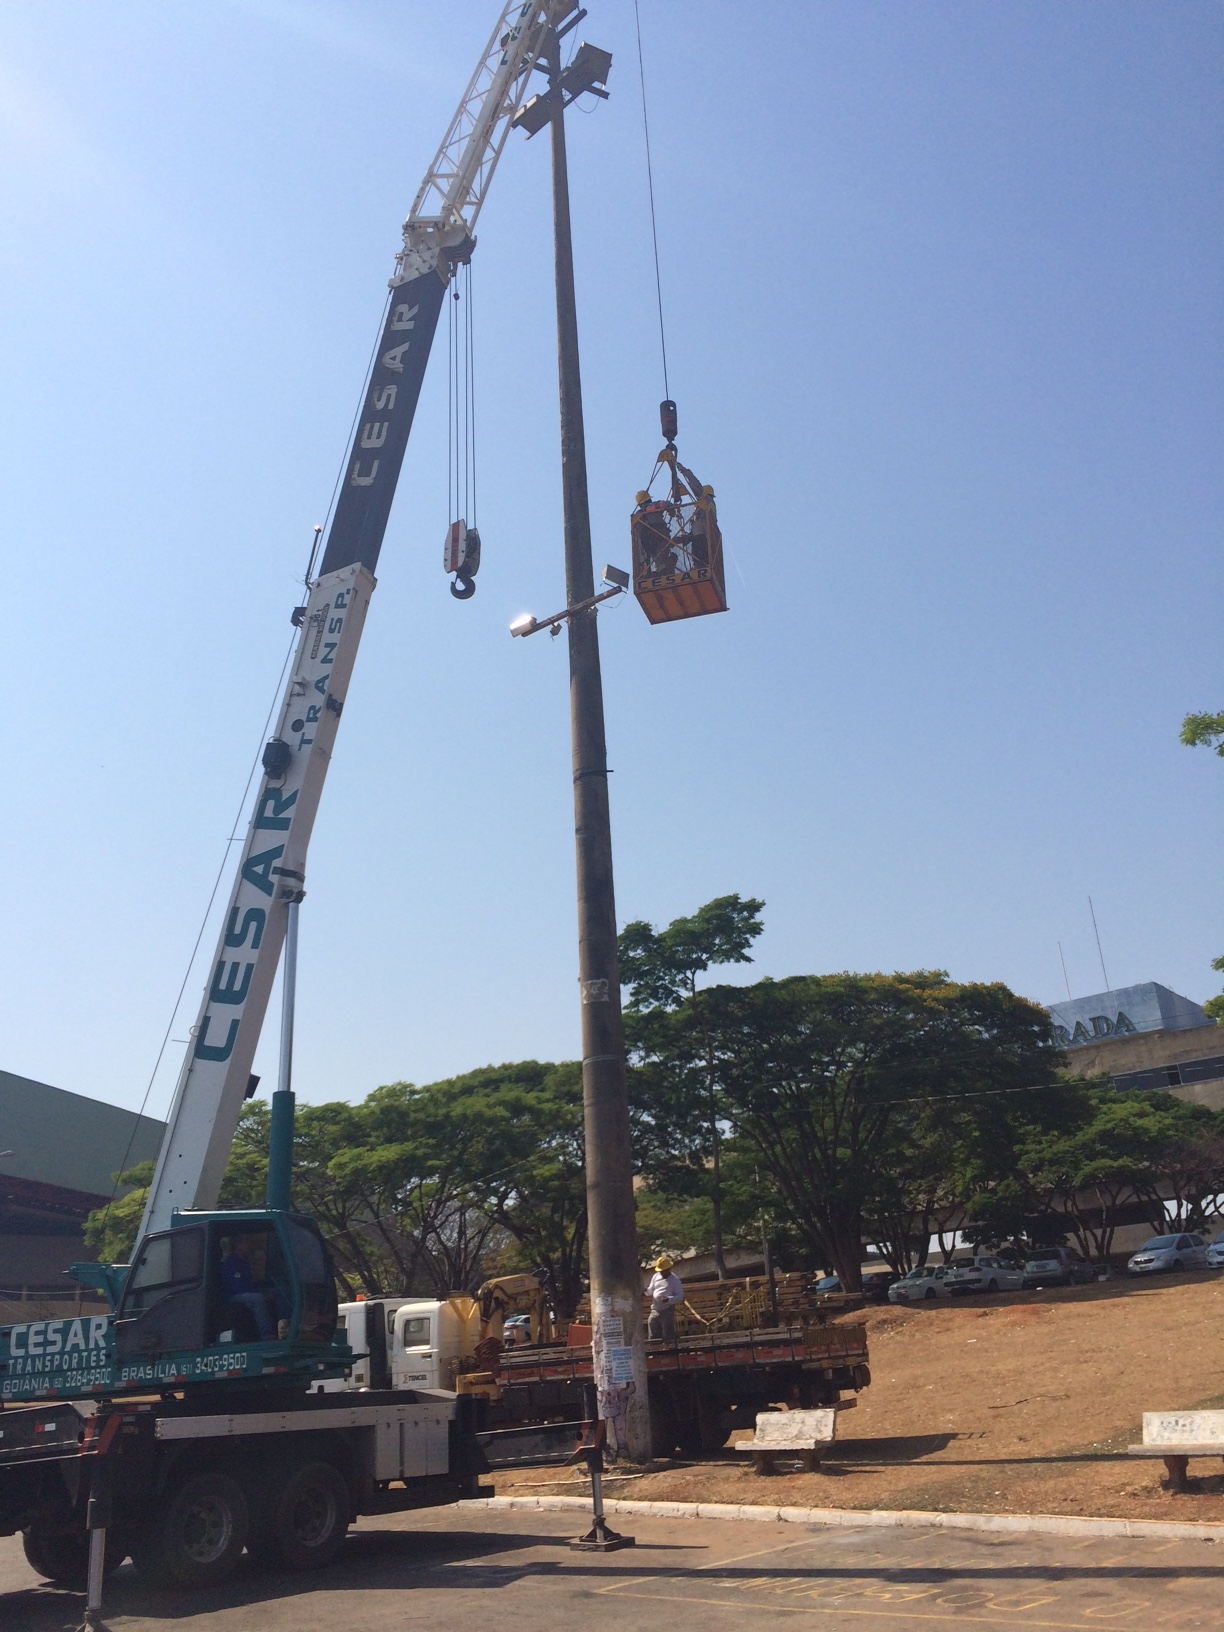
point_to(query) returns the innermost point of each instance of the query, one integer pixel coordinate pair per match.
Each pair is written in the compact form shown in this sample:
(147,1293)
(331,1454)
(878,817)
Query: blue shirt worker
(238,1286)
(665,1292)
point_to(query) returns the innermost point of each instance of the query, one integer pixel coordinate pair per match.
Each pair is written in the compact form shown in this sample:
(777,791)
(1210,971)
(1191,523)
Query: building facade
(1145,1036)
(63,1151)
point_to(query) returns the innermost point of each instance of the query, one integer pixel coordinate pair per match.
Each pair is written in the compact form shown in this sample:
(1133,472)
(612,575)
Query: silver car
(982,1273)
(920,1285)
(1169,1252)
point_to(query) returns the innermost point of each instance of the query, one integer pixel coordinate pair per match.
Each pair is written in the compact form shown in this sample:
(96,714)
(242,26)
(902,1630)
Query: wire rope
(471,383)
(461,401)
(654,227)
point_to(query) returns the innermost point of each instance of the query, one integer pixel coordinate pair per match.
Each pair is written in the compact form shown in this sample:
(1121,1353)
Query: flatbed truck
(701,1387)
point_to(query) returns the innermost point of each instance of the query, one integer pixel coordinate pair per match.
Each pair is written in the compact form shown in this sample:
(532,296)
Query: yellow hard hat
(708,491)
(663,1264)
(643,497)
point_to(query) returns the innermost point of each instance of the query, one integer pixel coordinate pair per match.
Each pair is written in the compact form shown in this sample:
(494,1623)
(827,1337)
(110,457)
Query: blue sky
(942,285)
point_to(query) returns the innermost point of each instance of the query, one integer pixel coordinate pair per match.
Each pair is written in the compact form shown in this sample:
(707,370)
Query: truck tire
(198,1536)
(302,1517)
(716,1422)
(58,1550)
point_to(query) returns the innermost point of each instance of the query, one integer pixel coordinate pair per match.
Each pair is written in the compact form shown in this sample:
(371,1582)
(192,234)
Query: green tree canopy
(675,1090)
(818,1072)
(1204,731)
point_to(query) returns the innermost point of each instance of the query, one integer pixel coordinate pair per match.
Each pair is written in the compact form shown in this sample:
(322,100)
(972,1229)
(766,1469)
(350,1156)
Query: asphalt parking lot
(451,1570)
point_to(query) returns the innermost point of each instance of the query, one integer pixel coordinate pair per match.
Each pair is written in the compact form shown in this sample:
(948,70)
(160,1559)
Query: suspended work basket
(677,547)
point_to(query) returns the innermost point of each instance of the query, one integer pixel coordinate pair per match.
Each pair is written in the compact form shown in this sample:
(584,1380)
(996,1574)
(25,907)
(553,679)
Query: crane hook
(467,591)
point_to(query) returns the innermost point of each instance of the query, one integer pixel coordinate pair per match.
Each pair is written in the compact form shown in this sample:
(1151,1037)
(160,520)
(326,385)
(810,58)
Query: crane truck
(188,1422)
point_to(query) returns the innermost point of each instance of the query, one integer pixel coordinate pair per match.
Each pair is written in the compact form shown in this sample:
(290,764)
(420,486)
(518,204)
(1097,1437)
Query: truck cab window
(167,1263)
(317,1320)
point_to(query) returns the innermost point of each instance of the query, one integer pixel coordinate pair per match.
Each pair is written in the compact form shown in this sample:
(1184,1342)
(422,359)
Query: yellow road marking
(881,1614)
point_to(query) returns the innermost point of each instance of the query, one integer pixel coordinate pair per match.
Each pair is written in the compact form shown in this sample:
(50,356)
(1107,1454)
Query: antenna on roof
(1100,954)
(1063,961)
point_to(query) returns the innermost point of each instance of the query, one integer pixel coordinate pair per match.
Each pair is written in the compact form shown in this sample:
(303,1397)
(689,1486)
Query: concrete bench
(790,1435)
(1176,1436)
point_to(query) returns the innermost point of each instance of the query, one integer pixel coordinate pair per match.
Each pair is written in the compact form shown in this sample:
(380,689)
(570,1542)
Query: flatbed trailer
(183,1484)
(701,1387)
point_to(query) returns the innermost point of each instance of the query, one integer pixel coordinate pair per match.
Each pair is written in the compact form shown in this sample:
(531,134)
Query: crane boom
(213,1079)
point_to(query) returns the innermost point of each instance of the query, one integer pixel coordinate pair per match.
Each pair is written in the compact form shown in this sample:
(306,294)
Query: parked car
(516,1334)
(877,1284)
(1215,1254)
(1057,1266)
(1169,1252)
(982,1273)
(920,1285)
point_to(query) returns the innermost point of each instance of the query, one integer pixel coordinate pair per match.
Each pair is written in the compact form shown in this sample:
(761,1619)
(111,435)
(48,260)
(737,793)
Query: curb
(1046,1524)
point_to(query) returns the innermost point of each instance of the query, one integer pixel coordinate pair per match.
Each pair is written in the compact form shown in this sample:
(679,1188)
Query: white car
(1168,1252)
(920,1285)
(982,1273)
(1215,1254)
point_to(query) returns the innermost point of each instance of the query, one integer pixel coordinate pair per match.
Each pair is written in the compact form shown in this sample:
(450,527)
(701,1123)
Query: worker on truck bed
(665,1292)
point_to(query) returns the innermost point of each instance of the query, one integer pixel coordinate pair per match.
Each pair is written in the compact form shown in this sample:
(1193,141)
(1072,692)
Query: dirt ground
(997,1404)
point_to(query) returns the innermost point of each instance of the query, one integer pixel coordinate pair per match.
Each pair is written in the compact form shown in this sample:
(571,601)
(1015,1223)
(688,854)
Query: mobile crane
(190,1421)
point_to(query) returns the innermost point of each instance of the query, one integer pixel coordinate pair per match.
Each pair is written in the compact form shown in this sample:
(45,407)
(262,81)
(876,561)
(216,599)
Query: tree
(817,1072)
(1104,1158)
(1191,1162)
(525,1170)
(1214,1006)
(667,1025)
(111,1230)
(1204,731)
(1207,731)
(392,1189)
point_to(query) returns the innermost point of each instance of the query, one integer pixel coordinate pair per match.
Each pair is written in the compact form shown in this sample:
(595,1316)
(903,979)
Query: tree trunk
(846,1247)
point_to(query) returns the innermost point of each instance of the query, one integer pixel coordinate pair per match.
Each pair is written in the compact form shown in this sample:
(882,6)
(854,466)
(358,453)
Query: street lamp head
(523,625)
(615,576)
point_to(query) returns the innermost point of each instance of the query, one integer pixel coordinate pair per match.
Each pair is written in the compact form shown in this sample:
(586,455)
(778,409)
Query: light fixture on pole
(528,625)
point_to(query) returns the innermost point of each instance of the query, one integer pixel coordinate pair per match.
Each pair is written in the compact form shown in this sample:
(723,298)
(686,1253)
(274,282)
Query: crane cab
(230,1299)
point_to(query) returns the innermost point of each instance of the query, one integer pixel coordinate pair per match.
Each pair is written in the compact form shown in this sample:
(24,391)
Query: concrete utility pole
(616,1288)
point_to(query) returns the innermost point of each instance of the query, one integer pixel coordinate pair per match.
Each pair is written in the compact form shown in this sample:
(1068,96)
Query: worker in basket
(666,1292)
(676,542)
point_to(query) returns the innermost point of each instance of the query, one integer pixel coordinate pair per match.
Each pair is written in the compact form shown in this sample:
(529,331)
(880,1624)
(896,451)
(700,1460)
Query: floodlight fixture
(536,112)
(587,72)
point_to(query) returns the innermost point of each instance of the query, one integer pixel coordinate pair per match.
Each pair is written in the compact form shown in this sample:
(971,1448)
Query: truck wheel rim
(207,1529)
(314,1516)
